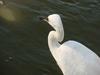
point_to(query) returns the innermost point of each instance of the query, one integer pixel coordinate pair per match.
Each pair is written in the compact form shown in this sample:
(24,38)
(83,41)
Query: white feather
(72,57)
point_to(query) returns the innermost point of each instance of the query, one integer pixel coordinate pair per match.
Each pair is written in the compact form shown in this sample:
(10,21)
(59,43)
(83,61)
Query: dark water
(23,38)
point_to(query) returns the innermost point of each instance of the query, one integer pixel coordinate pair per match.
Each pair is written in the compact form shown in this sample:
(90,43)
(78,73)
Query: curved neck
(54,38)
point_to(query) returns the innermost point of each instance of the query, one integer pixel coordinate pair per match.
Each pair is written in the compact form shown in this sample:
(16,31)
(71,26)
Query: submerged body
(72,57)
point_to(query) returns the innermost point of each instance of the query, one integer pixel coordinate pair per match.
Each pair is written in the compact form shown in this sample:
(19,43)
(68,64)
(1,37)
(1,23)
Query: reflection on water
(7,14)
(23,38)
(1,2)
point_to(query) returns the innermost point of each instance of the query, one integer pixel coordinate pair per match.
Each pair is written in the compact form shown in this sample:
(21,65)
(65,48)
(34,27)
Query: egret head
(54,20)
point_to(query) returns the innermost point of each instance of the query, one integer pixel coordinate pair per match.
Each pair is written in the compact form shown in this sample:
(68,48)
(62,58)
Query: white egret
(72,57)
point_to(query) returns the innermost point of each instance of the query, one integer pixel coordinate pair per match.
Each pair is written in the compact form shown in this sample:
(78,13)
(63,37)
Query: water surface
(23,38)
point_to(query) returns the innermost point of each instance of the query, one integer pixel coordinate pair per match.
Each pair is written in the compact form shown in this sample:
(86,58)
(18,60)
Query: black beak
(42,18)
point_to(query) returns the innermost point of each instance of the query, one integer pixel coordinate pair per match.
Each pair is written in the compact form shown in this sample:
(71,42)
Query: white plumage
(72,57)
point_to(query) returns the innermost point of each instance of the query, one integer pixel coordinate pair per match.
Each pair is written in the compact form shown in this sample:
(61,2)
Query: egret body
(72,57)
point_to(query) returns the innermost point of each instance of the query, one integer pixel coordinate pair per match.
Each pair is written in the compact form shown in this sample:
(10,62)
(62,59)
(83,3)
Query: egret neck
(55,37)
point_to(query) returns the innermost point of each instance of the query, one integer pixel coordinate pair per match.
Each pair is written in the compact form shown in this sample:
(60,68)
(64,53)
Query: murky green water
(23,38)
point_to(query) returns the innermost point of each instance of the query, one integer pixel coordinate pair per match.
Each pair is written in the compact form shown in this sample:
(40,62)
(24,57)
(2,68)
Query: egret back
(75,59)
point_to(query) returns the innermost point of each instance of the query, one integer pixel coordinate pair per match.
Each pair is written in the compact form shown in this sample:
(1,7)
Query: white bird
(72,57)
